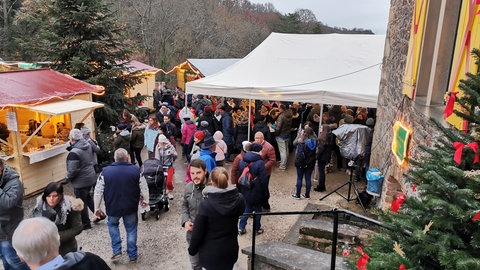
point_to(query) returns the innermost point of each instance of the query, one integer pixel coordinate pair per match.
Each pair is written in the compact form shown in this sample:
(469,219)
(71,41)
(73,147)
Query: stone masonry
(394,106)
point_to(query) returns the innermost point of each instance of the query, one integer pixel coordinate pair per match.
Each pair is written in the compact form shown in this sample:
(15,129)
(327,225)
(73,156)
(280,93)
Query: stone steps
(308,245)
(279,255)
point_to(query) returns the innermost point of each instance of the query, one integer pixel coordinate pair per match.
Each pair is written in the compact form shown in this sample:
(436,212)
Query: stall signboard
(401,138)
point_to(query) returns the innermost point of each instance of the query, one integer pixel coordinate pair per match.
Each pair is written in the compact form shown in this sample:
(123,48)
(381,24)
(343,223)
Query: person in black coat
(254,196)
(214,234)
(261,125)
(326,143)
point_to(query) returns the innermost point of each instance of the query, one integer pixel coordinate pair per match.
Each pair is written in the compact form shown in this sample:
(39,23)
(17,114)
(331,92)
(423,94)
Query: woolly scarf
(58,214)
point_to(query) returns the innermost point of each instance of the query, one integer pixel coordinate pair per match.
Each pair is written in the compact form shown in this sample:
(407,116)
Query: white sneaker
(170,196)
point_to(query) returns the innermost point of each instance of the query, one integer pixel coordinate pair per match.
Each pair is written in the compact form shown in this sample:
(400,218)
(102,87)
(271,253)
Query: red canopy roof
(31,86)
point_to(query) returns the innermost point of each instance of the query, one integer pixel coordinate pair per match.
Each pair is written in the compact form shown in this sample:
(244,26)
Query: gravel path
(162,244)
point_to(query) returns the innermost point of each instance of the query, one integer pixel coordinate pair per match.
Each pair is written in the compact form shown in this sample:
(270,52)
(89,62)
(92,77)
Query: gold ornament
(471,174)
(427,227)
(475,134)
(398,249)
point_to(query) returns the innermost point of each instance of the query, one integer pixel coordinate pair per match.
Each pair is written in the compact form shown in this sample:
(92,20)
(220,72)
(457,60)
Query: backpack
(304,156)
(246,179)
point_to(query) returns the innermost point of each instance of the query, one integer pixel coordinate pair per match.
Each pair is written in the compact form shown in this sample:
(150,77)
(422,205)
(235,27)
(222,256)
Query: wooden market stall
(39,107)
(146,86)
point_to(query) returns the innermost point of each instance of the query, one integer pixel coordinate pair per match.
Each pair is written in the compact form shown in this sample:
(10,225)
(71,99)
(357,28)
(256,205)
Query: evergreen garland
(437,227)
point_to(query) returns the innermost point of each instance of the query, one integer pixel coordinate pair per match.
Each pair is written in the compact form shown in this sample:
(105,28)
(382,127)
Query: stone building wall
(394,106)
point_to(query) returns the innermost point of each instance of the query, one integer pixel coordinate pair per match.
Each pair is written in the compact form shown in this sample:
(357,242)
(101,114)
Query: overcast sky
(366,14)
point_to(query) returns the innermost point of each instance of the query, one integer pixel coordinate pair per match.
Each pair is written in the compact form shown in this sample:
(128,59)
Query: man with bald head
(120,186)
(268,156)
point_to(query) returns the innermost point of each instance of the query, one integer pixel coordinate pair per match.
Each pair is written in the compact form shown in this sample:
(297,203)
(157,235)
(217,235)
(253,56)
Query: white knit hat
(162,139)
(75,134)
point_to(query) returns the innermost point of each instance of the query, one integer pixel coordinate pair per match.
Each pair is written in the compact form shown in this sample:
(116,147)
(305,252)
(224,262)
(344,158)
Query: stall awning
(64,106)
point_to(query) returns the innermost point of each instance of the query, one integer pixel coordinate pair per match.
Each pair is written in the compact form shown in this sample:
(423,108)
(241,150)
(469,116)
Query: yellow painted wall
(468,37)
(414,48)
(145,88)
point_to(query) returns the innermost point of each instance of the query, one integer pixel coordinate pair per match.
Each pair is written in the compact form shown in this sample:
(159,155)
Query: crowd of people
(251,138)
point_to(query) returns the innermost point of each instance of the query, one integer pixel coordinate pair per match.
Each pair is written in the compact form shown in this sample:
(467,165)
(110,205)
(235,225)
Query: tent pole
(316,175)
(321,117)
(249,116)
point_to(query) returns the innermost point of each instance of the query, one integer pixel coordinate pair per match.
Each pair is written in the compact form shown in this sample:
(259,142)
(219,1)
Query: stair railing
(335,213)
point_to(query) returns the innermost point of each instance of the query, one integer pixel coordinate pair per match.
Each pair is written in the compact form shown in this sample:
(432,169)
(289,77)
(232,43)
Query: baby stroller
(154,175)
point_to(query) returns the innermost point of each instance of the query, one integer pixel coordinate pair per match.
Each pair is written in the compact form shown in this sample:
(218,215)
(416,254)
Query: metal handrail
(335,213)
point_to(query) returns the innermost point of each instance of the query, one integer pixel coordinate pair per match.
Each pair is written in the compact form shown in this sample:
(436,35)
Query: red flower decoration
(362,261)
(399,200)
(414,187)
(477,216)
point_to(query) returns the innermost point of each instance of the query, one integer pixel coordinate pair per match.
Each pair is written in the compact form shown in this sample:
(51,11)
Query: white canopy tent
(315,68)
(207,67)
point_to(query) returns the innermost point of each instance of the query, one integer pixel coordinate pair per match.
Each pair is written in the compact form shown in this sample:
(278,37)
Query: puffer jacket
(258,192)
(188,129)
(192,196)
(80,170)
(11,202)
(67,218)
(284,124)
(221,148)
(166,155)
(122,140)
(137,137)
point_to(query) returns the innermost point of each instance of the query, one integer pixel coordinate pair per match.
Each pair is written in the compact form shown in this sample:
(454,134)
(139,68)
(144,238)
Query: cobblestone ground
(162,244)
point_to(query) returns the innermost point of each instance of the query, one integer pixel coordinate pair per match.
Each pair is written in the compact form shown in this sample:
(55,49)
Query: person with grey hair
(37,242)
(121,186)
(80,172)
(11,213)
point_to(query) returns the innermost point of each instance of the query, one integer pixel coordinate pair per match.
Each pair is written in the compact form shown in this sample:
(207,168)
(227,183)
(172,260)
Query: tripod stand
(350,183)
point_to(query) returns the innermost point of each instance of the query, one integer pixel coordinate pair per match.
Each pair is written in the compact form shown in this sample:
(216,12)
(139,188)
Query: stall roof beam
(65,106)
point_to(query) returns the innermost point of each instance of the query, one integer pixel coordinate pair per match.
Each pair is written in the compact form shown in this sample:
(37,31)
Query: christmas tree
(436,225)
(91,46)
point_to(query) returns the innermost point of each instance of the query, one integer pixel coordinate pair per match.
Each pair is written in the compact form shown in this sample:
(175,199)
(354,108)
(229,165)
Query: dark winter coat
(122,140)
(324,149)
(215,231)
(227,126)
(305,153)
(82,261)
(241,134)
(137,138)
(258,192)
(121,191)
(213,124)
(284,124)
(67,218)
(80,170)
(192,195)
(262,127)
(11,202)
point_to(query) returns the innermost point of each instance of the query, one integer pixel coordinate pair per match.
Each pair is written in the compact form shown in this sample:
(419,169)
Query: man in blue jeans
(120,186)
(282,134)
(11,213)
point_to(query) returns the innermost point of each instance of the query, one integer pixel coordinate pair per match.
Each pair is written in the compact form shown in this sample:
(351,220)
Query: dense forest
(162,33)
